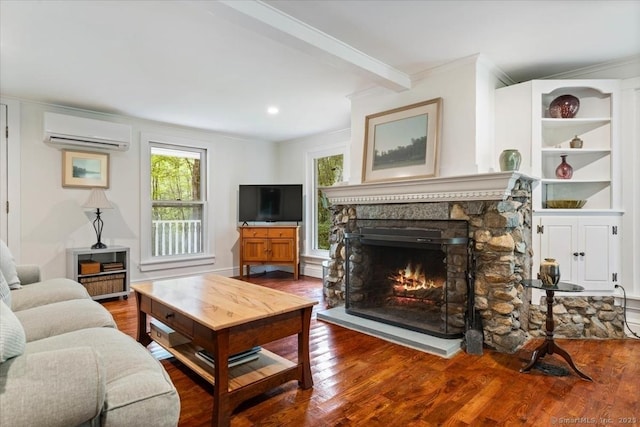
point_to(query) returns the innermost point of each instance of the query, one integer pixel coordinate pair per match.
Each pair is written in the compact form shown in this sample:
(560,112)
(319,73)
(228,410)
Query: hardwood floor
(365,381)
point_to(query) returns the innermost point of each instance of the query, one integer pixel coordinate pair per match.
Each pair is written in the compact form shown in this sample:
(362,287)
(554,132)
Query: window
(326,168)
(176,201)
(175,218)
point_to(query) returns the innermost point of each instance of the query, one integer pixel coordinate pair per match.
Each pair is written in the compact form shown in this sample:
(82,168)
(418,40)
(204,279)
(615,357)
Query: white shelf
(560,123)
(574,212)
(575,181)
(574,151)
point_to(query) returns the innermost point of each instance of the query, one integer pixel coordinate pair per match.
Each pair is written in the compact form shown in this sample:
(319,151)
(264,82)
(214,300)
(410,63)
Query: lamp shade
(97,200)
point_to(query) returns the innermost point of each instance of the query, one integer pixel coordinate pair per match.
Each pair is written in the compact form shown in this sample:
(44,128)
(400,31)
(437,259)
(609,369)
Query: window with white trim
(325,168)
(175,214)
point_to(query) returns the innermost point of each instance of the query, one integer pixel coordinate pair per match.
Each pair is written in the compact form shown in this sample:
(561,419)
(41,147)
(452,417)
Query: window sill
(175,262)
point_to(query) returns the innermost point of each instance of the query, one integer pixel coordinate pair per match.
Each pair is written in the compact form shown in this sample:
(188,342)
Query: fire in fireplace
(412,274)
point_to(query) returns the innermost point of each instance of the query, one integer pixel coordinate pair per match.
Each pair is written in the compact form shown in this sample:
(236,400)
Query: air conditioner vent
(70,131)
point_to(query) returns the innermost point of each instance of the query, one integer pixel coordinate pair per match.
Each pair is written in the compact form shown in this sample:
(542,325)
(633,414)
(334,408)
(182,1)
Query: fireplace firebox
(413,274)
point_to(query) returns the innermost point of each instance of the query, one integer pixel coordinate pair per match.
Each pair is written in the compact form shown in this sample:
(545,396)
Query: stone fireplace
(495,209)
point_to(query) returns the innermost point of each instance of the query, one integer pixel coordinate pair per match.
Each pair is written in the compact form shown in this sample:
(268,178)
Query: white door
(4,175)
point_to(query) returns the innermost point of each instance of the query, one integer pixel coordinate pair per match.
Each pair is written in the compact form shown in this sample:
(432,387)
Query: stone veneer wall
(502,234)
(579,317)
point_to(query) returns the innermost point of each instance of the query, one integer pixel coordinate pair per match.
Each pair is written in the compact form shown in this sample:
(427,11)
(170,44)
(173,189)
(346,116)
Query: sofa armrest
(54,388)
(28,273)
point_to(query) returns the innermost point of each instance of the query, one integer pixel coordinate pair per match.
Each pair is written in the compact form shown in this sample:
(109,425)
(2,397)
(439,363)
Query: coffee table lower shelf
(266,365)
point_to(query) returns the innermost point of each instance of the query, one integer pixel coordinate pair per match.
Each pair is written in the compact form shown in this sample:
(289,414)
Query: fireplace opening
(415,278)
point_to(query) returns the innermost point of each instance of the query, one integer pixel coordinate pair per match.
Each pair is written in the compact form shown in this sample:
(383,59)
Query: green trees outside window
(177,200)
(328,171)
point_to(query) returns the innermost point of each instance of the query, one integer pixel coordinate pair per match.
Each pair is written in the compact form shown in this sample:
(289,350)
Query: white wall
(52,218)
(292,160)
(630,155)
(456,85)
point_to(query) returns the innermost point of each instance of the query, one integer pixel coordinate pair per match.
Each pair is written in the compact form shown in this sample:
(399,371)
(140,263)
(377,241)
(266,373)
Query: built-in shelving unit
(592,164)
(585,241)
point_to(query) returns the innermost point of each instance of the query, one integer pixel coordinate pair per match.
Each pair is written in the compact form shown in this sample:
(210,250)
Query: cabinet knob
(168,315)
(578,253)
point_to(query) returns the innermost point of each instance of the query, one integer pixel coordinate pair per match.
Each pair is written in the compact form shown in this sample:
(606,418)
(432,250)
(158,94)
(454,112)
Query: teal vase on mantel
(510,160)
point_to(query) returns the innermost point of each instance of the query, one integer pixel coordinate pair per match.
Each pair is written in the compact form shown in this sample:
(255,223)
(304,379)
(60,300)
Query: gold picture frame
(403,143)
(84,169)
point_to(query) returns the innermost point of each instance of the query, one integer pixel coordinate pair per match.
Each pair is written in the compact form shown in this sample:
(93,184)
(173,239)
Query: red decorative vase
(564,169)
(564,107)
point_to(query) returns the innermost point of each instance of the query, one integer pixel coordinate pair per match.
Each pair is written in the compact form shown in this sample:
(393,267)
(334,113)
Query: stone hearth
(497,207)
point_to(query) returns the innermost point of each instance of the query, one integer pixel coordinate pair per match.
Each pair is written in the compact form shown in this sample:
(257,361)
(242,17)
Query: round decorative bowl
(565,204)
(564,107)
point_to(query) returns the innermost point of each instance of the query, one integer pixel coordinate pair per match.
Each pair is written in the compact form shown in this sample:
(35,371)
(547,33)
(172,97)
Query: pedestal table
(549,346)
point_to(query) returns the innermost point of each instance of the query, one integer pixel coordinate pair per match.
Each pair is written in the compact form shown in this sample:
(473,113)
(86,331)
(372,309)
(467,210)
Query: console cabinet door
(281,250)
(255,249)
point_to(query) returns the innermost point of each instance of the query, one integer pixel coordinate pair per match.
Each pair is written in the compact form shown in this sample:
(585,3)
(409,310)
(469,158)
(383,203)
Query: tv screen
(270,203)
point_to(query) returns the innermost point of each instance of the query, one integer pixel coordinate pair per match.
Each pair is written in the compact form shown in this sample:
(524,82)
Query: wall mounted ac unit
(61,130)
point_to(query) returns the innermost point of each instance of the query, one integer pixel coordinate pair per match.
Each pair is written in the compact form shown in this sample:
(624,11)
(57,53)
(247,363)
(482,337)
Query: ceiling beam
(273,23)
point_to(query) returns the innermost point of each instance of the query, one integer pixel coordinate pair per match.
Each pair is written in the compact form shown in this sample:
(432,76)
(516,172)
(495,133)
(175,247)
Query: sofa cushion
(47,292)
(28,273)
(58,388)
(5,291)
(12,336)
(62,317)
(8,266)
(136,382)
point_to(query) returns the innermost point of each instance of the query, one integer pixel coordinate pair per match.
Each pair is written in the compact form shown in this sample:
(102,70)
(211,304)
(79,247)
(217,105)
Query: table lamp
(98,200)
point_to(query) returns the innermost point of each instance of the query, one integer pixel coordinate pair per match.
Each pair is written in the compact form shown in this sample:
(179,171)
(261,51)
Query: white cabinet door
(559,240)
(597,259)
(587,249)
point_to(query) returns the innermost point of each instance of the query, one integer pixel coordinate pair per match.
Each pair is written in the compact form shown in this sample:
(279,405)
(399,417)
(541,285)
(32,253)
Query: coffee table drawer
(170,317)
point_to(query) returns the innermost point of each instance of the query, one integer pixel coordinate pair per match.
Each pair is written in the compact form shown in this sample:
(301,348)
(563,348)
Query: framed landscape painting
(402,143)
(85,169)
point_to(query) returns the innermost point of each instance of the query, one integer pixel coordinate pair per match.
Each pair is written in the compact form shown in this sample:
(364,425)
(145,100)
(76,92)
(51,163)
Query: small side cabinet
(104,272)
(275,245)
(586,247)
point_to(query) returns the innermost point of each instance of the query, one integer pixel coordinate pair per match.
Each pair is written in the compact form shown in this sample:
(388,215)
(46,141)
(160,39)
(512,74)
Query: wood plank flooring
(364,381)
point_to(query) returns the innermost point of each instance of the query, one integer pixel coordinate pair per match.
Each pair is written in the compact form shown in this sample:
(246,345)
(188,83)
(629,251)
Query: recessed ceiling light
(273,110)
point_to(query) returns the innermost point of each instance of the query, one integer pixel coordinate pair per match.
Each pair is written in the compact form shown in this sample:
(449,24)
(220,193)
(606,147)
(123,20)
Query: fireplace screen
(415,278)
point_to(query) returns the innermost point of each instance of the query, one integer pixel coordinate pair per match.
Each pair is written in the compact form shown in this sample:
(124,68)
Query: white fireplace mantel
(488,186)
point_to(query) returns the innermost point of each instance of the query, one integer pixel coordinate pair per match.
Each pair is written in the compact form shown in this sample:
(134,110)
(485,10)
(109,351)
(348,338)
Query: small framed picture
(85,169)
(402,143)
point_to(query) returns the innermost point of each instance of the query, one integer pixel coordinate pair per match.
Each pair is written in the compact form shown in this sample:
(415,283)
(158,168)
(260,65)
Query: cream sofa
(73,366)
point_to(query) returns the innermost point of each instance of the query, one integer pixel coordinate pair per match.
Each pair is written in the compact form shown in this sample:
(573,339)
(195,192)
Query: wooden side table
(549,346)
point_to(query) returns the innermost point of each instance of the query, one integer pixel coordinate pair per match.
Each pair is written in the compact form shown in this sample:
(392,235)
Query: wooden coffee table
(227,316)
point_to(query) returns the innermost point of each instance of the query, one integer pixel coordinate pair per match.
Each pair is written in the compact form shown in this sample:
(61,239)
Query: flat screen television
(270,203)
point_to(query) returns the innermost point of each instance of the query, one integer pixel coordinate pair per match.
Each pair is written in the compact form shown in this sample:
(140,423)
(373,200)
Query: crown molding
(630,62)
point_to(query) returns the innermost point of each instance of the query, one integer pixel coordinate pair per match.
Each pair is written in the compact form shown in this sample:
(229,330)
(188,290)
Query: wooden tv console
(270,245)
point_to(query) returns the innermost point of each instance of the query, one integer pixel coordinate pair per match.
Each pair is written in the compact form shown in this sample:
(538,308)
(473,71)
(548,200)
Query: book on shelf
(110,266)
(234,359)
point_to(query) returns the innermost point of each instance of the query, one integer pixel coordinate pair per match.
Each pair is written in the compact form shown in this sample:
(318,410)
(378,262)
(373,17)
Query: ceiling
(219,65)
